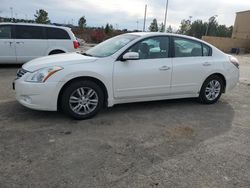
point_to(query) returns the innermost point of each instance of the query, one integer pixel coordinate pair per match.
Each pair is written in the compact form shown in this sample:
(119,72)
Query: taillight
(234,61)
(76,44)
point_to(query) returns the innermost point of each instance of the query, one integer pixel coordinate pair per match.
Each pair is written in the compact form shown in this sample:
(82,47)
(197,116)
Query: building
(242,25)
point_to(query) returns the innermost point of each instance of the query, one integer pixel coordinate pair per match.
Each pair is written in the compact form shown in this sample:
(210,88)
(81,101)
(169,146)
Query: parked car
(127,68)
(21,42)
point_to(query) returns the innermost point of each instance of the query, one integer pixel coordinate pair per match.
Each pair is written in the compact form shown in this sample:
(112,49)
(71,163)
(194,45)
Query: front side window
(110,46)
(29,32)
(152,48)
(57,33)
(5,32)
(187,48)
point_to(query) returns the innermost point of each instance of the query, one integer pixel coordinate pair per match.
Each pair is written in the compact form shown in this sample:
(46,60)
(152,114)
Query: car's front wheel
(82,99)
(211,90)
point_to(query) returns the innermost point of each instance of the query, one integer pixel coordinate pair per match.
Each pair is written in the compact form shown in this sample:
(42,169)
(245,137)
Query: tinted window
(56,33)
(187,48)
(29,32)
(5,32)
(152,48)
(206,50)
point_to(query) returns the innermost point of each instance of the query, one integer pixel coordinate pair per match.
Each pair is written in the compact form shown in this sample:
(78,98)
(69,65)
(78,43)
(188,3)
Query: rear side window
(5,32)
(57,33)
(187,48)
(29,32)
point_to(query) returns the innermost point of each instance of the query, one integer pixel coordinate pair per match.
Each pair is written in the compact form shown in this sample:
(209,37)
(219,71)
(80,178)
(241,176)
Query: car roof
(34,24)
(152,34)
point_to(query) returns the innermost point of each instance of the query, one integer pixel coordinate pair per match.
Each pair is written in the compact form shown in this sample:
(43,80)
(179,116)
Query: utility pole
(165,19)
(11,11)
(145,15)
(137,23)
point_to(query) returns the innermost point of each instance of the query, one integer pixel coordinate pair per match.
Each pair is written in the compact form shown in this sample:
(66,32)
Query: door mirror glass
(131,56)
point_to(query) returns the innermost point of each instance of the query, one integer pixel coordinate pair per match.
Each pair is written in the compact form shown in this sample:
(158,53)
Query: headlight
(43,74)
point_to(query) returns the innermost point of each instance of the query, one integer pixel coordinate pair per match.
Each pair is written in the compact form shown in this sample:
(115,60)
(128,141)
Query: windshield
(110,46)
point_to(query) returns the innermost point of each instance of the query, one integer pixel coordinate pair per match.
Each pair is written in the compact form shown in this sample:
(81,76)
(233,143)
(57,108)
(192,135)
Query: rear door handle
(8,43)
(206,64)
(164,68)
(20,42)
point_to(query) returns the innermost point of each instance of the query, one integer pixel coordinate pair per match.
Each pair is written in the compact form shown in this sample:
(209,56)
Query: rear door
(7,45)
(192,60)
(30,42)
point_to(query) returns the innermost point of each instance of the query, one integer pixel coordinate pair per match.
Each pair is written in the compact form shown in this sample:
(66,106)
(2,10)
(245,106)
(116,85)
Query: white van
(21,42)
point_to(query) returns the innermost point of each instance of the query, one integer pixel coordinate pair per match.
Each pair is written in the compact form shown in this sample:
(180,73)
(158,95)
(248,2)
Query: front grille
(20,73)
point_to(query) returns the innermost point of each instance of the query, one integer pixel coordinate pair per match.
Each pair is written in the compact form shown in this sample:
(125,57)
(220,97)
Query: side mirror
(130,56)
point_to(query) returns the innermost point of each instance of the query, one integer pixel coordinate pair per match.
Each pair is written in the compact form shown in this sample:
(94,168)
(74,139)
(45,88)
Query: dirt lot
(177,143)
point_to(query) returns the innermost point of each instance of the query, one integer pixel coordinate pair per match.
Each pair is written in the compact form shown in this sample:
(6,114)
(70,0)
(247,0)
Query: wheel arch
(57,51)
(89,78)
(222,77)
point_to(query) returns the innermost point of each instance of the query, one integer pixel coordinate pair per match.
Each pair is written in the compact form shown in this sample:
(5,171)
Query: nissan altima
(128,68)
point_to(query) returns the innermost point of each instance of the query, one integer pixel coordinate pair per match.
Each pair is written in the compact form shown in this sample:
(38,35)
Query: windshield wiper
(87,54)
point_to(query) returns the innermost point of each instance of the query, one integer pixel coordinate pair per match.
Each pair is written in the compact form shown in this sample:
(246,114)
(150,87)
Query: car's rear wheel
(211,90)
(82,99)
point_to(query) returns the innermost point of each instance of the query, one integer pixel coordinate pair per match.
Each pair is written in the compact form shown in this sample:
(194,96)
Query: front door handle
(20,42)
(164,68)
(206,64)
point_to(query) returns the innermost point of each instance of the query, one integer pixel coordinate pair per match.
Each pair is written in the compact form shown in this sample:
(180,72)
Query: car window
(206,50)
(152,48)
(29,32)
(111,46)
(57,33)
(5,32)
(187,48)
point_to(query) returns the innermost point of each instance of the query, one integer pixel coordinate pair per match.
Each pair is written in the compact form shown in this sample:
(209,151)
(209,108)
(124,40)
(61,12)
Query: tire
(82,99)
(211,90)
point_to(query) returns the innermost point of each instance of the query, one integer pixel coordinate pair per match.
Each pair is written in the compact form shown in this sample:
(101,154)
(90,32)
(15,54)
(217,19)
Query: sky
(124,14)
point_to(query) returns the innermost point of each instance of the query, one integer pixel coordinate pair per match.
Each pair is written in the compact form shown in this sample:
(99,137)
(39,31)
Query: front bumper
(38,96)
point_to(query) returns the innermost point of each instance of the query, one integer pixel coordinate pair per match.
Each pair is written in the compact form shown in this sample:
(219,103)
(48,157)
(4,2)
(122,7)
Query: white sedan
(127,68)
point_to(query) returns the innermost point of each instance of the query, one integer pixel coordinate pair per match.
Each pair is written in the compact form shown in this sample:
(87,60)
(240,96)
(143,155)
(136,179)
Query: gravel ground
(175,143)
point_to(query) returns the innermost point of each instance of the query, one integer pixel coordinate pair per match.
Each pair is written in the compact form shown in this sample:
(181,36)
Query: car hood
(57,60)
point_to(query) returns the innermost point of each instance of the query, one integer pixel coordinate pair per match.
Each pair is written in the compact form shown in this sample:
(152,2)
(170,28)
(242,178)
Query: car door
(30,42)
(7,45)
(148,76)
(192,60)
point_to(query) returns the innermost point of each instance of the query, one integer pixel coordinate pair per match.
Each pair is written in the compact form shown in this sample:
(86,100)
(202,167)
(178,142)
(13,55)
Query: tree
(197,29)
(41,16)
(108,29)
(184,27)
(82,22)
(224,31)
(162,28)
(169,29)
(153,26)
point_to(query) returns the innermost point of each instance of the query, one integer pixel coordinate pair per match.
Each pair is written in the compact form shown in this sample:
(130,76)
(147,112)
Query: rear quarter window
(57,33)
(207,51)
